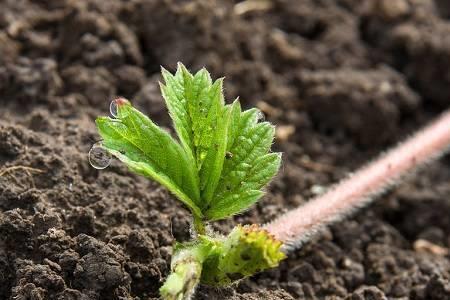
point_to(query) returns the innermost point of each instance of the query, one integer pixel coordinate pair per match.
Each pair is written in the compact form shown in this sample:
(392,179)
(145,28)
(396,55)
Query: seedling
(218,167)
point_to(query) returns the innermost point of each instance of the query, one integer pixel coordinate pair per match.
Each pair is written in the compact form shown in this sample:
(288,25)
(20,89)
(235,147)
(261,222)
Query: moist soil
(342,79)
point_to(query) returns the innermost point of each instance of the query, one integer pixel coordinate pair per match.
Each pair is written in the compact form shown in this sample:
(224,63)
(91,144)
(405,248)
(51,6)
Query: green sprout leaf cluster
(217,165)
(221,159)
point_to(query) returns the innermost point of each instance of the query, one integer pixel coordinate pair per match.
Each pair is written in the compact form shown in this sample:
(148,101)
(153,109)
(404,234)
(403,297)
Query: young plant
(217,167)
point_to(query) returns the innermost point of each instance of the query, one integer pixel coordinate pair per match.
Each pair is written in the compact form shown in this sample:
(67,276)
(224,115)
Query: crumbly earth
(342,79)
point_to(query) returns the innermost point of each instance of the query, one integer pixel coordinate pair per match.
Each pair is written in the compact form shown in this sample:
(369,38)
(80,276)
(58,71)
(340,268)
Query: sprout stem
(199,225)
(298,225)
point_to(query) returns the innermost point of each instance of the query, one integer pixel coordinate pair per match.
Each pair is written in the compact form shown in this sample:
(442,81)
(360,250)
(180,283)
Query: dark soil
(342,79)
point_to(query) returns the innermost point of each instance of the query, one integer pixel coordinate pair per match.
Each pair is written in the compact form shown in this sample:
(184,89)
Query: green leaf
(150,151)
(221,162)
(232,204)
(201,119)
(234,124)
(248,168)
(213,163)
(194,104)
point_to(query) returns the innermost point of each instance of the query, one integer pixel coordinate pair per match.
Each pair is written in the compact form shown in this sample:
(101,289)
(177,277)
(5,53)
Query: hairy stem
(298,225)
(186,269)
(199,225)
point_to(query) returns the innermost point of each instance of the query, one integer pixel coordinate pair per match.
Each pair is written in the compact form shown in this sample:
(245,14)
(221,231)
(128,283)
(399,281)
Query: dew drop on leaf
(260,116)
(99,158)
(113,108)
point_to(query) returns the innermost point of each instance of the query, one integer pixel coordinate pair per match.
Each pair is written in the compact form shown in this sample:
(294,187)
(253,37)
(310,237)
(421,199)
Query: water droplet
(260,116)
(113,108)
(99,158)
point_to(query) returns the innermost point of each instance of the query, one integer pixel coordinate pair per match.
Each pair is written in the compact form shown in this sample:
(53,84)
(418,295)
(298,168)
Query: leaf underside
(221,161)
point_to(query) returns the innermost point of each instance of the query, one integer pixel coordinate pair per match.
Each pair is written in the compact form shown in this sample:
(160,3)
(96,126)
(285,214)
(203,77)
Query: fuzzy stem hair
(300,224)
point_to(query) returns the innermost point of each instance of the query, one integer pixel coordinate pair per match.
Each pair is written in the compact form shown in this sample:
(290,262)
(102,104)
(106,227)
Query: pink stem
(300,224)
